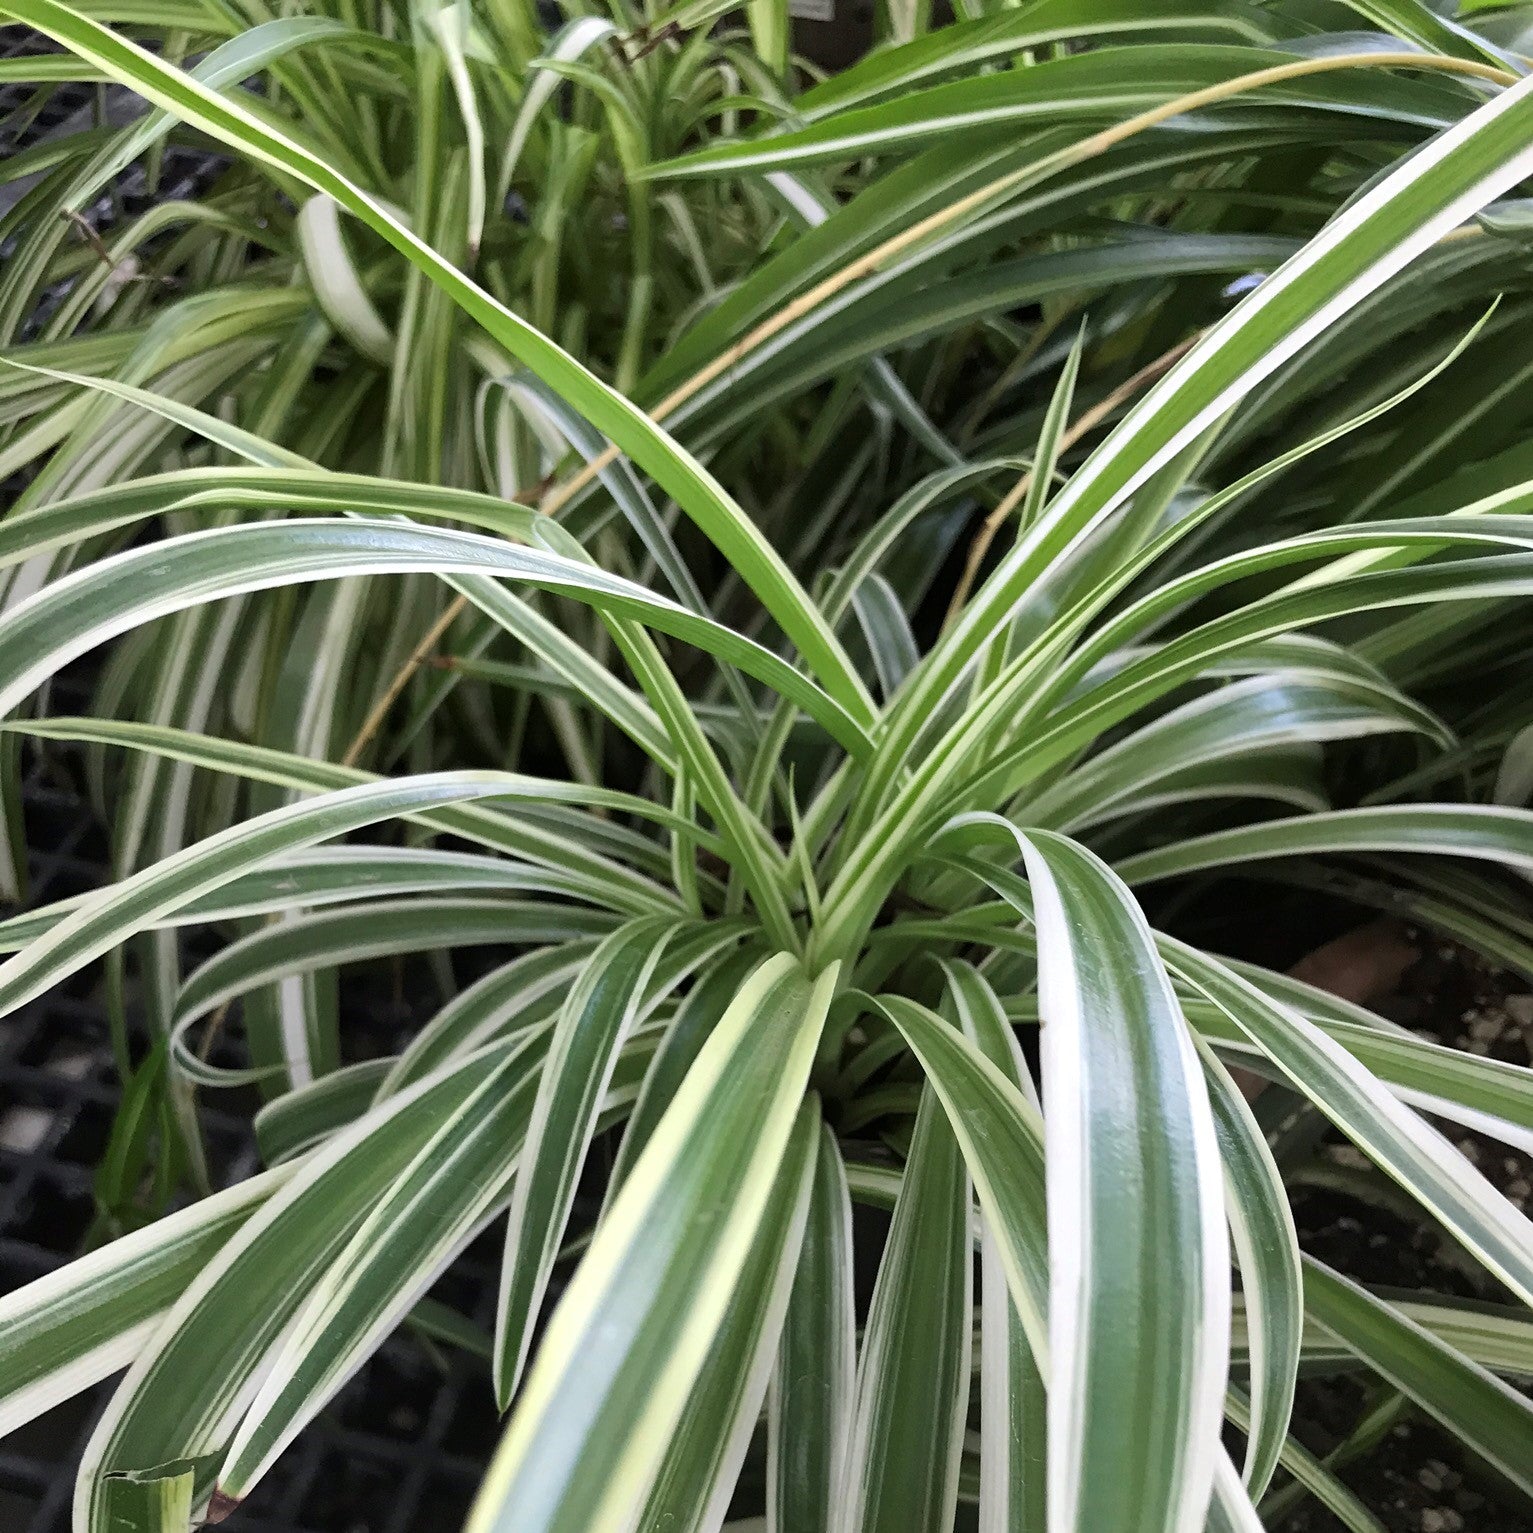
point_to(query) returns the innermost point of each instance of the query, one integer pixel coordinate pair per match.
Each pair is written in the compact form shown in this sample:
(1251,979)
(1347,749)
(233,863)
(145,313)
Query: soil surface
(1416,1478)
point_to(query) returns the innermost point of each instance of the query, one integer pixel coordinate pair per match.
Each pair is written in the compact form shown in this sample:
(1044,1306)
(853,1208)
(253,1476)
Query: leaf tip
(221,1505)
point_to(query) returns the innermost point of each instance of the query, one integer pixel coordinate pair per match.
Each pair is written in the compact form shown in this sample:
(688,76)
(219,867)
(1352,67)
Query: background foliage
(779,587)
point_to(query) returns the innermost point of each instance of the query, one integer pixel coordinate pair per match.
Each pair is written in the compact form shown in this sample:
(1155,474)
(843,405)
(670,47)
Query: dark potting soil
(1417,1478)
(404,1445)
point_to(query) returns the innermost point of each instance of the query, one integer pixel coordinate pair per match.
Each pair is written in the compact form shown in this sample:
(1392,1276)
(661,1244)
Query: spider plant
(518,153)
(879,920)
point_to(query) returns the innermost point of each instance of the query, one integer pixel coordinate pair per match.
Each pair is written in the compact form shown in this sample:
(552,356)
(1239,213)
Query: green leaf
(338,287)
(696,1483)
(1421,25)
(1001,1135)
(1013,1470)
(813,1390)
(693,488)
(1230,1510)
(1103,85)
(299,1119)
(913,1373)
(82,610)
(1473,1404)
(157,1500)
(1309,1473)
(1267,1249)
(1402,1144)
(1374,238)
(1260,713)
(1484,831)
(201,490)
(1138,1340)
(172,1404)
(569,42)
(1010,33)
(625,889)
(458,1177)
(1491,1096)
(687,1031)
(326,939)
(516,996)
(330,875)
(590,1029)
(66,1331)
(636,1325)
(769,24)
(145,899)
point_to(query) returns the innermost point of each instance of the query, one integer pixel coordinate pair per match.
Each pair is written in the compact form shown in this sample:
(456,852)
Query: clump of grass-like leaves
(846,892)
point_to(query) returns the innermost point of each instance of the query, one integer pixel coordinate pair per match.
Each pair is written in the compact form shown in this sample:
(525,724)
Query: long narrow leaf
(635,1326)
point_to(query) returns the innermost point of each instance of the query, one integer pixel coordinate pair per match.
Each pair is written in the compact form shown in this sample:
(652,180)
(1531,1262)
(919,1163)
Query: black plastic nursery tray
(402,1447)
